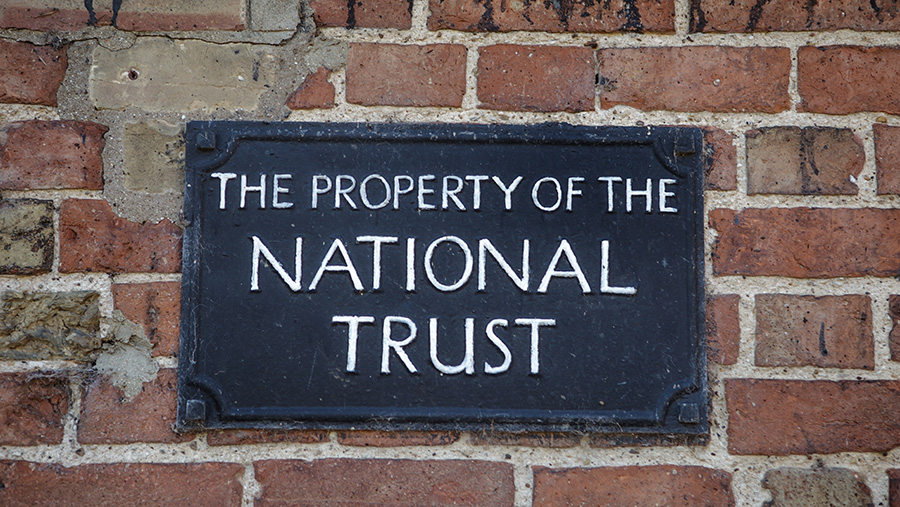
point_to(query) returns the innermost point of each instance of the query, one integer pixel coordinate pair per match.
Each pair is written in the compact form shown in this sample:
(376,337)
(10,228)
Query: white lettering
(450,195)
(576,272)
(387,343)
(646,193)
(277,189)
(536,189)
(337,246)
(507,191)
(260,248)
(476,180)
(353,321)
(429,266)
(341,191)
(535,339)
(468,362)
(317,190)
(223,181)
(485,246)
(604,274)
(376,241)
(261,188)
(364,192)
(507,355)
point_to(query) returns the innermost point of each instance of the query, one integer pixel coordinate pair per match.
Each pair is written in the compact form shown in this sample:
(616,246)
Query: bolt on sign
(543,277)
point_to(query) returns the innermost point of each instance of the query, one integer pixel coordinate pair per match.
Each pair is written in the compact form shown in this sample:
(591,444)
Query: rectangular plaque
(543,277)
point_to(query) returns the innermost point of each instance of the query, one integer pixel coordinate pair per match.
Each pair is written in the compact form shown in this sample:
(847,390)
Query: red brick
(848,79)
(397,75)
(790,15)
(719,159)
(396,438)
(32,408)
(828,331)
(551,440)
(384,482)
(30,74)
(781,417)
(47,484)
(700,78)
(363,13)
(536,78)
(573,16)
(894,487)
(138,15)
(315,92)
(668,485)
(894,339)
(93,238)
(887,159)
(723,328)
(806,161)
(107,417)
(817,486)
(157,307)
(52,154)
(806,242)
(259,436)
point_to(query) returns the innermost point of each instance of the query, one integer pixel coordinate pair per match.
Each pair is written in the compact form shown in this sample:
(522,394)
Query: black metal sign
(443,276)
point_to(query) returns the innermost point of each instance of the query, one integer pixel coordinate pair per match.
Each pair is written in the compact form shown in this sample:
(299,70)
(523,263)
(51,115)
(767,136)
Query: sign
(542,277)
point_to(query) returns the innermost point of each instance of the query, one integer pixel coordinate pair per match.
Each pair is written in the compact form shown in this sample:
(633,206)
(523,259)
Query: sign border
(682,411)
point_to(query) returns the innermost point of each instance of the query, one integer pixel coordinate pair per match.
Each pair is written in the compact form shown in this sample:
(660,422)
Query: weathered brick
(894,339)
(536,78)
(790,16)
(635,485)
(50,325)
(612,440)
(574,16)
(723,328)
(827,331)
(363,13)
(154,157)
(108,418)
(396,438)
(801,487)
(52,154)
(806,161)
(385,482)
(32,408)
(162,74)
(887,159)
(699,78)
(200,484)
(315,92)
(265,436)
(848,79)
(806,242)
(719,159)
(139,15)
(781,417)
(31,74)
(398,75)
(894,487)
(551,440)
(26,236)
(157,307)
(93,238)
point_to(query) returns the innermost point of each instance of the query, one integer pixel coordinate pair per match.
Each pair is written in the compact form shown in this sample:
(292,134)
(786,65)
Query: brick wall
(800,104)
